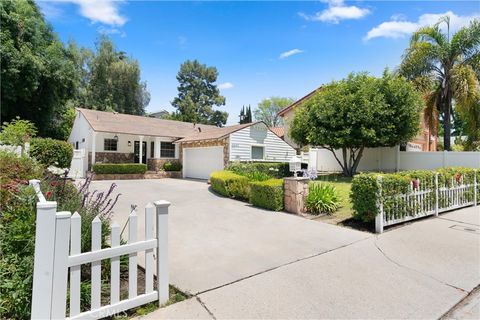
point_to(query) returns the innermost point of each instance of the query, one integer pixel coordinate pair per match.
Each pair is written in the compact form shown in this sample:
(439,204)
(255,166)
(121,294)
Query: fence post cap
(162,203)
(63,215)
(149,205)
(33,182)
(46,204)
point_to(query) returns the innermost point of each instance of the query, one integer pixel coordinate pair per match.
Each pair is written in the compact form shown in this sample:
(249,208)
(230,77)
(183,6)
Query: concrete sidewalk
(419,270)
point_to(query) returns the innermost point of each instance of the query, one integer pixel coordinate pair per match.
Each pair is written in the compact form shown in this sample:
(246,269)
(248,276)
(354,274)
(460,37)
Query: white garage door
(198,163)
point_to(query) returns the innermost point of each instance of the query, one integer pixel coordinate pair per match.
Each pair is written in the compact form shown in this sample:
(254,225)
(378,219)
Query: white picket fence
(57,252)
(424,200)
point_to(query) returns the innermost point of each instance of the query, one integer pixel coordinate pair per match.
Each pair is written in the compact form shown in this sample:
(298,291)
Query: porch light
(129,143)
(115,137)
(295,165)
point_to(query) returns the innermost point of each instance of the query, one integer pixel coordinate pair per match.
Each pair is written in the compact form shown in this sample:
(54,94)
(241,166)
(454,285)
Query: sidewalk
(420,270)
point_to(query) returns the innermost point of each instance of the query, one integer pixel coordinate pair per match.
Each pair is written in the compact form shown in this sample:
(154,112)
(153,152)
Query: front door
(136,151)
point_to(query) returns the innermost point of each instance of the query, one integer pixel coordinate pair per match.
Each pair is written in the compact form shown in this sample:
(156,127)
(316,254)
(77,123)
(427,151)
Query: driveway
(242,262)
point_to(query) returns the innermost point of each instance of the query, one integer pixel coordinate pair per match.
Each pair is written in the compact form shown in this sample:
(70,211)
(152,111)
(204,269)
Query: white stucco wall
(275,149)
(80,132)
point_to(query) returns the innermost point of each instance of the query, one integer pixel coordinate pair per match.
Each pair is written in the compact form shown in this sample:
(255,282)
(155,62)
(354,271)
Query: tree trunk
(446,120)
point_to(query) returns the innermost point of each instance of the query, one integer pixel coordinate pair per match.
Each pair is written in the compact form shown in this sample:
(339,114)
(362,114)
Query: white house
(120,138)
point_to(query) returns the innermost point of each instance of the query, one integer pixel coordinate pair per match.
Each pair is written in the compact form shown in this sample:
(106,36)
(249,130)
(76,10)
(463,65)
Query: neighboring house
(424,141)
(120,138)
(279,131)
(159,115)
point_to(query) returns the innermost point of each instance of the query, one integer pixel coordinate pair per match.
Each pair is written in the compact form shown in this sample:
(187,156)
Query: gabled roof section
(102,121)
(217,134)
(282,112)
(279,131)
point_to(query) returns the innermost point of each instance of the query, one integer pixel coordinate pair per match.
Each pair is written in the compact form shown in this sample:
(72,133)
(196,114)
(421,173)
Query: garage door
(198,163)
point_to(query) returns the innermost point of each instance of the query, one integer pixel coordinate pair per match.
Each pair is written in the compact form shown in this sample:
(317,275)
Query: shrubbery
(172,166)
(322,198)
(119,168)
(230,184)
(267,194)
(365,189)
(51,152)
(272,169)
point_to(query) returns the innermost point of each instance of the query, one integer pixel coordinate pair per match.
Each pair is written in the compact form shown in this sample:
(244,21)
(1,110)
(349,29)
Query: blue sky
(260,49)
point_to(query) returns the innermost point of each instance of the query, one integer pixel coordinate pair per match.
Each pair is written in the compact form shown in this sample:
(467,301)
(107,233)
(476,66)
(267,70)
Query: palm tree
(443,68)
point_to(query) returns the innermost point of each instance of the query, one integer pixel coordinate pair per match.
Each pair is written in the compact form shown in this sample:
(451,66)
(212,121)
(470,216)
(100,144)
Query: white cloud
(111,31)
(226,85)
(289,53)
(336,11)
(399,27)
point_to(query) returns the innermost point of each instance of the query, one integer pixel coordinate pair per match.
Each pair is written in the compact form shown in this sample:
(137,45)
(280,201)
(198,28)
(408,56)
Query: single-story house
(120,138)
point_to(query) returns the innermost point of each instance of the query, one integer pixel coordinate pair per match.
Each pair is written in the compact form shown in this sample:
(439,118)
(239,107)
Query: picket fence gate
(423,201)
(58,253)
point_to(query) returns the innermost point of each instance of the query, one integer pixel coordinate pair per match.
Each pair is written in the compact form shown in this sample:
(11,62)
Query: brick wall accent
(111,157)
(208,143)
(157,164)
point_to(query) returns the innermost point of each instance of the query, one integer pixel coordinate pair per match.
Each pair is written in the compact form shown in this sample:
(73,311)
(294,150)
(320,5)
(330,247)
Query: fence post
(436,194)
(475,192)
(43,258)
(162,251)
(379,216)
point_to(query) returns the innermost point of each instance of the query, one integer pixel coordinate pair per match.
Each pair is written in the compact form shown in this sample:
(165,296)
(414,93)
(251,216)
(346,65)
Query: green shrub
(267,194)
(51,152)
(257,176)
(322,198)
(272,169)
(172,166)
(230,184)
(119,168)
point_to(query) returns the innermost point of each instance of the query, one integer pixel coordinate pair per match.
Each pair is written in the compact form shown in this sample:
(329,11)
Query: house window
(110,144)
(167,150)
(257,153)
(76,145)
(152,149)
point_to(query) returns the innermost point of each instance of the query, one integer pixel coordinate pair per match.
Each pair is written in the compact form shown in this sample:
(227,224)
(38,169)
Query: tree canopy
(267,110)
(198,95)
(356,113)
(445,68)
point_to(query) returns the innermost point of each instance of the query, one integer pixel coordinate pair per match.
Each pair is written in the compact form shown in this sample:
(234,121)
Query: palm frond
(466,41)
(464,84)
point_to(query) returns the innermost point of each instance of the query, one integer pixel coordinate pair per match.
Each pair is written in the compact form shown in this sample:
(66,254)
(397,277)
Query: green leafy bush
(51,152)
(267,194)
(230,184)
(272,169)
(322,198)
(172,166)
(119,168)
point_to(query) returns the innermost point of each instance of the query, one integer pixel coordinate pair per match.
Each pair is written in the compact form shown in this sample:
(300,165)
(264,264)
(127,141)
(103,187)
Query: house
(120,138)
(424,141)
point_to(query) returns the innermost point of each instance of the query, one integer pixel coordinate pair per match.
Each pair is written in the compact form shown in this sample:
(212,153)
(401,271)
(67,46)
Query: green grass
(343,186)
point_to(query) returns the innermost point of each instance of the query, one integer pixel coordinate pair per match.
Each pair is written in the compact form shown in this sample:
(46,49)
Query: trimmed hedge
(119,168)
(365,188)
(172,166)
(267,194)
(230,184)
(51,152)
(272,169)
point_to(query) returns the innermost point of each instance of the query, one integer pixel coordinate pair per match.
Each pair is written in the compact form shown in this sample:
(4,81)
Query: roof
(216,134)
(279,131)
(102,121)
(282,112)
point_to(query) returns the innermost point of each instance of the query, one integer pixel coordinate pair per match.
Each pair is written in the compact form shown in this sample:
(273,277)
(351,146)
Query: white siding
(80,132)
(241,143)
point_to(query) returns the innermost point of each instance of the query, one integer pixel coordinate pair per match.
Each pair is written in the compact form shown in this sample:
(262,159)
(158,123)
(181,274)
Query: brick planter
(296,190)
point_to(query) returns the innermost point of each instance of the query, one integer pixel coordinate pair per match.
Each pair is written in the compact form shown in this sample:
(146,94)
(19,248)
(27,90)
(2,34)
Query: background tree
(198,95)
(37,73)
(267,110)
(17,132)
(245,115)
(440,64)
(356,113)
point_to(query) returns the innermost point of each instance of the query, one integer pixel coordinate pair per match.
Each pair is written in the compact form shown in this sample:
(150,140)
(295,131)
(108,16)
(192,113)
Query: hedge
(119,168)
(267,194)
(172,166)
(365,188)
(230,184)
(51,152)
(272,169)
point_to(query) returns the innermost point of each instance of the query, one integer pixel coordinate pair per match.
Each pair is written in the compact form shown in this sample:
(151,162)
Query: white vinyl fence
(423,199)
(78,166)
(58,253)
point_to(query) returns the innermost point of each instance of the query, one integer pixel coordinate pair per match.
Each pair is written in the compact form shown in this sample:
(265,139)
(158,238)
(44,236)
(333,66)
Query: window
(257,153)
(167,150)
(152,149)
(110,144)
(76,145)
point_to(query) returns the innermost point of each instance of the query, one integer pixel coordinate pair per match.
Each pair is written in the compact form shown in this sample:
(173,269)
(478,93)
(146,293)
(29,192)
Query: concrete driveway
(242,262)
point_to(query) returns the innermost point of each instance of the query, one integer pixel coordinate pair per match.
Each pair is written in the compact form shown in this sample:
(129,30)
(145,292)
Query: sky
(260,49)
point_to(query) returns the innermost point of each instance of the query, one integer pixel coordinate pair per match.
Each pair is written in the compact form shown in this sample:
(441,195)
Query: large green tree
(38,75)
(356,113)
(198,95)
(267,110)
(443,67)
